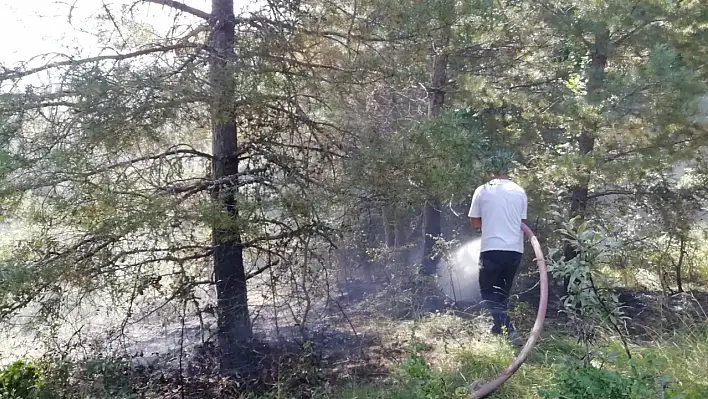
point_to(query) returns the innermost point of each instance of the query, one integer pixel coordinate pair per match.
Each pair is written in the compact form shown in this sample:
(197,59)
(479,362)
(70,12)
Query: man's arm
(475,213)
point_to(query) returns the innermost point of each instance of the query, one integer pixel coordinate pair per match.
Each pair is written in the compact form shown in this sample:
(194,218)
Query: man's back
(502,205)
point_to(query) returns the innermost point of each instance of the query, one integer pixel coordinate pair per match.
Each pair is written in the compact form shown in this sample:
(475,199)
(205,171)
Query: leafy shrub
(21,380)
(580,381)
(428,384)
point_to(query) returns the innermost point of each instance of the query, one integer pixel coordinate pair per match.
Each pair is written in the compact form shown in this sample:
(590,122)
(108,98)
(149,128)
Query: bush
(579,381)
(428,384)
(21,380)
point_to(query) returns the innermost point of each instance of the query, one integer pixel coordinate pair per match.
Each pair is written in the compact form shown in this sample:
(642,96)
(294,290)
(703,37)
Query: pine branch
(307,229)
(18,74)
(261,269)
(614,192)
(10,74)
(210,184)
(171,152)
(634,31)
(259,22)
(78,176)
(639,150)
(375,39)
(562,17)
(181,7)
(558,75)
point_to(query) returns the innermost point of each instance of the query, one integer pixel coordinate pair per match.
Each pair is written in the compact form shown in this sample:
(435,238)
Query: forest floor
(388,348)
(376,341)
(667,337)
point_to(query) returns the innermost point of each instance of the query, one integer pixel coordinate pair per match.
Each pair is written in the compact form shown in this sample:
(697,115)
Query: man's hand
(476,222)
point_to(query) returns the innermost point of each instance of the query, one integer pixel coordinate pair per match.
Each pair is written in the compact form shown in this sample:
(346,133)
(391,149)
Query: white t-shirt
(502,205)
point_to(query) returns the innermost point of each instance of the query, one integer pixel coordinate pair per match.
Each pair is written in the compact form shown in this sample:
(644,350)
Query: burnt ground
(345,341)
(649,314)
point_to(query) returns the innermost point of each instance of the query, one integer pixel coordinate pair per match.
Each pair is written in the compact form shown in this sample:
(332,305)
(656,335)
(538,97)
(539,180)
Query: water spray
(458,273)
(483,390)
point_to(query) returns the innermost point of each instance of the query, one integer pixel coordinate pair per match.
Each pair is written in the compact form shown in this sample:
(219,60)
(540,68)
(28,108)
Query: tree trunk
(388,213)
(403,224)
(679,265)
(432,208)
(586,139)
(432,231)
(234,322)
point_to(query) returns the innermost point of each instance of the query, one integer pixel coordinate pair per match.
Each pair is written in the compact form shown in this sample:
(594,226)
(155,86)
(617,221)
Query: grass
(445,353)
(684,358)
(681,360)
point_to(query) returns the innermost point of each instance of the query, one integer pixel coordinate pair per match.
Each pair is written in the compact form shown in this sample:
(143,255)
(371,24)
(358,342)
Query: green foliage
(104,377)
(589,291)
(22,380)
(109,165)
(452,152)
(579,381)
(427,383)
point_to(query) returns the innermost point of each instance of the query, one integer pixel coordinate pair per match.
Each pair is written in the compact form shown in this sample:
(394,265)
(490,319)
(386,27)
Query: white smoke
(458,276)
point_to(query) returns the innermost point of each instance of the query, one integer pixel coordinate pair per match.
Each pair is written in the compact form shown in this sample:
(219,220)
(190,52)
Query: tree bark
(234,322)
(586,139)
(388,213)
(679,265)
(403,222)
(432,215)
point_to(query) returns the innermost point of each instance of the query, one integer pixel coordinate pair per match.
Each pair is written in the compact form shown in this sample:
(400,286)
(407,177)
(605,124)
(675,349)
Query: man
(498,208)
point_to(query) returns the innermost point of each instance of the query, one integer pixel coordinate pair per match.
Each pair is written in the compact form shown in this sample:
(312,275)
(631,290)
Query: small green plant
(590,302)
(427,383)
(21,380)
(581,381)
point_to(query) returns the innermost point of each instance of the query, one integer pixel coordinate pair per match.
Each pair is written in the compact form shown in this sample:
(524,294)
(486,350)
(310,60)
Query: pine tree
(110,168)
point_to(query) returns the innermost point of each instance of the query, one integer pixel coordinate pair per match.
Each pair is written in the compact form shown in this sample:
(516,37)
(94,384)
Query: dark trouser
(496,276)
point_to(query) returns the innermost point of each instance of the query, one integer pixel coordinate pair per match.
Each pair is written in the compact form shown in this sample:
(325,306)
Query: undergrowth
(671,368)
(674,369)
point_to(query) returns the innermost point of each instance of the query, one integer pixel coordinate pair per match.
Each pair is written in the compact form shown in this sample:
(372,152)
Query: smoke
(458,276)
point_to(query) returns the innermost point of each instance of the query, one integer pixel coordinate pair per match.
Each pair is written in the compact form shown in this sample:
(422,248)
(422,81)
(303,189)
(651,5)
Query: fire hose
(483,390)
